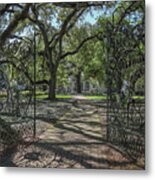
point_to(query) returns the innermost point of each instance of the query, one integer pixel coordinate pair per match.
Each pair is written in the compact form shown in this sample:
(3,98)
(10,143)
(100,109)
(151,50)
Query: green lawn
(139,97)
(99,97)
(41,96)
(64,96)
(44,95)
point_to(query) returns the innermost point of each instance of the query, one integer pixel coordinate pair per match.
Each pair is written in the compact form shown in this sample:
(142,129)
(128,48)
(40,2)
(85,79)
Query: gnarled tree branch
(78,47)
(14,23)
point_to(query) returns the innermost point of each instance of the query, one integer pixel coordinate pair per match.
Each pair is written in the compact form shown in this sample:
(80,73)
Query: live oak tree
(58,42)
(54,35)
(10,16)
(79,62)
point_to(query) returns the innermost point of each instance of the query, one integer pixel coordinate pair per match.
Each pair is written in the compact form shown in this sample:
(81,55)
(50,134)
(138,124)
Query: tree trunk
(78,83)
(52,85)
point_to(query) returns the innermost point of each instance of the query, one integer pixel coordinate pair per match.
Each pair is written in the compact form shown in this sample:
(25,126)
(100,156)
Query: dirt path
(79,97)
(73,136)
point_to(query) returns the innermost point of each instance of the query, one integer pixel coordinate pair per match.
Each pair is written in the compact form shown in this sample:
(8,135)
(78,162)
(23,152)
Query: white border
(149,173)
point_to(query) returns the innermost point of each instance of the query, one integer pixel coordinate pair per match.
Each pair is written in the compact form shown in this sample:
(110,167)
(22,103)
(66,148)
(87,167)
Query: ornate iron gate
(17,103)
(125,112)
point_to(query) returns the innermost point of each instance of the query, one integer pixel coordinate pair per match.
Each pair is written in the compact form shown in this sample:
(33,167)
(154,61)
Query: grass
(3,95)
(60,96)
(97,97)
(139,97)
(41,96)
(44,95)
(64,96)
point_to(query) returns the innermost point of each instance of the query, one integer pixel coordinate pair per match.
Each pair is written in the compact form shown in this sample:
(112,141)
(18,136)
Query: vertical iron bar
(108,88)
(34,83)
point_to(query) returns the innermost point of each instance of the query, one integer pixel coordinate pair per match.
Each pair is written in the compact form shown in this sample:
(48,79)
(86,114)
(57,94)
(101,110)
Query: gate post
(34,83)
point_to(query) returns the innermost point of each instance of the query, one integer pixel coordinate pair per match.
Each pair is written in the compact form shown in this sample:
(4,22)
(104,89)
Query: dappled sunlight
(76,139)
(72,85)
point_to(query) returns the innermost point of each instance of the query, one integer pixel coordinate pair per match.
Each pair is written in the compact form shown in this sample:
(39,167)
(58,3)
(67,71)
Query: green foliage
(117,54)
